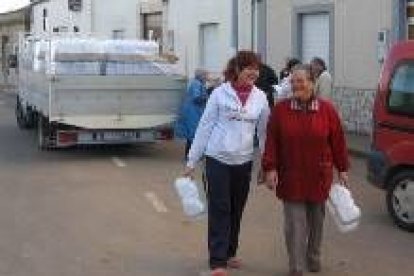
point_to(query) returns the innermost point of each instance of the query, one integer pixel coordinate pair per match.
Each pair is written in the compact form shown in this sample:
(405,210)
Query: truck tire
(20,116)
(44,132)
(400,199)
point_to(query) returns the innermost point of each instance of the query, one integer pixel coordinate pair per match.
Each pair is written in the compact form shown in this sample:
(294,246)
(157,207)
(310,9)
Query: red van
(391,160)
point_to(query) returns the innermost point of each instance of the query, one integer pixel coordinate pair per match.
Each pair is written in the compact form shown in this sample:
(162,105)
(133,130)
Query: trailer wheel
(44,132)
(21,122)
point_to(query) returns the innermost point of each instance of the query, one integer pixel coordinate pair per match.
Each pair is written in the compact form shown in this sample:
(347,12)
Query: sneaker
(219,272)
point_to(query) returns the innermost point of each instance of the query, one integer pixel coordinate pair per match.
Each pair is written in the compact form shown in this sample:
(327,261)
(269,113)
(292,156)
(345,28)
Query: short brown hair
(239,62)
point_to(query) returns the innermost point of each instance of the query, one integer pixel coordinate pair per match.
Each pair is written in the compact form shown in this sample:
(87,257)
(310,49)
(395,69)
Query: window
(401,98)
(75,5)
(152,26)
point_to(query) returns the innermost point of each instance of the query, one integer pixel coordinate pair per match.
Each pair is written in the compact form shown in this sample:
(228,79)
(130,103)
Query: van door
(395,126)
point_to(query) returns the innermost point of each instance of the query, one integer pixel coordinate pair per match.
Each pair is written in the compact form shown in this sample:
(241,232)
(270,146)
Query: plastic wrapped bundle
(132,68)
(76,46)
(167,68)
(76,57)
(125,47)
(77,68)
(343,209)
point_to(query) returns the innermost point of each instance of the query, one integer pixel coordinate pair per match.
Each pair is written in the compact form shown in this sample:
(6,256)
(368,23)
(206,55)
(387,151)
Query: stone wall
(355,106)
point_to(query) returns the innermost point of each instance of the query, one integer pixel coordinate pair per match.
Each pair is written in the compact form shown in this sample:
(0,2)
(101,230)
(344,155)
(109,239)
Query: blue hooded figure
(192,109)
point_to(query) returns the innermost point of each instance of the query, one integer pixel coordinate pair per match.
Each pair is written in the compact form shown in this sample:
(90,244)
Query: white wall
(185,18)
(58,15)
(356,26)
(117,15)
(279,18)
(97,17)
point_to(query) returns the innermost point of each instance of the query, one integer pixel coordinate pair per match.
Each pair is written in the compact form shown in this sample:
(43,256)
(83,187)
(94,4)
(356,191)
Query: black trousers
(228,189)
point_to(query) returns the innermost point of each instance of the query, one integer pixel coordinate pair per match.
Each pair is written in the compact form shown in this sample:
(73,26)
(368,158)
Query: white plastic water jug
(188,192)
(343,209)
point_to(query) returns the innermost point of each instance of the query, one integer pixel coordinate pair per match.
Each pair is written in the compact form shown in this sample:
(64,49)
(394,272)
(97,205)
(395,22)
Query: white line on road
(118,162)
(156,202)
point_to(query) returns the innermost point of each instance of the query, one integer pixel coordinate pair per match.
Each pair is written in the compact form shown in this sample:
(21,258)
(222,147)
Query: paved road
(112,212)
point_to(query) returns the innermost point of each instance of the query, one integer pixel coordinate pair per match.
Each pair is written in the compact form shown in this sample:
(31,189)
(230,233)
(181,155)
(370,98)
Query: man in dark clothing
(267,78)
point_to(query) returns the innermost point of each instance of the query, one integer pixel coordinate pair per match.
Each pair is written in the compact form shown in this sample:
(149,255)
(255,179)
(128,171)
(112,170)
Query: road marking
(118,162)
(156,202)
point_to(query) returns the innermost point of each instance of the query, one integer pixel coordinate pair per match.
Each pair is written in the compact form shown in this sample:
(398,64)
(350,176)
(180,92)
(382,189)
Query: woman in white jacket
(235,111)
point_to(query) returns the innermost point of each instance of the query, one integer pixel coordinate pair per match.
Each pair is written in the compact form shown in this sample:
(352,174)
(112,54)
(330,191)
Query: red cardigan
(304,144)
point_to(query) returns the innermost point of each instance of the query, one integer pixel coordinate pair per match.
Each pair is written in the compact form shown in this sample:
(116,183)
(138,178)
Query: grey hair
(305,68)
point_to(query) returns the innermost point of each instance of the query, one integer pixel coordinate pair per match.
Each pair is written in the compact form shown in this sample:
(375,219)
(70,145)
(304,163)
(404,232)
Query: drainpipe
(235,24)
(253,24)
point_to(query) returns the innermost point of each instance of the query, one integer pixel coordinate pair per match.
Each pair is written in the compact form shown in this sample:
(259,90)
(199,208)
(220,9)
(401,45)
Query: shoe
(234,263)
(219,272)
(314,266)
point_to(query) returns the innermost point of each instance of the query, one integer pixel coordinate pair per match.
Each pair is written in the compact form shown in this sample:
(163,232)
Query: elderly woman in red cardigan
(305,142)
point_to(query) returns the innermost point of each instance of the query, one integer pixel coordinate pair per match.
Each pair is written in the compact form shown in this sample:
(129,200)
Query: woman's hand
(271,179)
(343,178)
(188,172)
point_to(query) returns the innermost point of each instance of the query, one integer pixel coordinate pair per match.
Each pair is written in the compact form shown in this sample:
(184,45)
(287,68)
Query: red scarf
(242,91)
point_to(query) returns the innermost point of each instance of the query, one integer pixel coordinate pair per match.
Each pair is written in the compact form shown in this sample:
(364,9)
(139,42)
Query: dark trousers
(228,188)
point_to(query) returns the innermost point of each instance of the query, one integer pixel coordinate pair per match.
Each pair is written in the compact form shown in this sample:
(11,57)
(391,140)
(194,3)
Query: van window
(401,99)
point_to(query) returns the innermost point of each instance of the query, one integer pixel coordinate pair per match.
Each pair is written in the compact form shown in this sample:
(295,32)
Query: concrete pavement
(358,145)
(88,213)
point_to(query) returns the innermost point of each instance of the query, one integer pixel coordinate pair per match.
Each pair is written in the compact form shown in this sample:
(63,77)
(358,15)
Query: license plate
(121,136)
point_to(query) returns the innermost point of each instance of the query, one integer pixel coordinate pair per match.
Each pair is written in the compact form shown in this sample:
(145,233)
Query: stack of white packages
(343,209)
(88,56)
(78,49)
(131,47)
(131,57)
(143,67)
(187,190)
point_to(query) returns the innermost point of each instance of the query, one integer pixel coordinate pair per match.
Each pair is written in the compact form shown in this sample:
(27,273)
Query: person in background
(266,81)
(225,137)
(305,141)
(285,72)
(323,85)
(284,89)
(192,108)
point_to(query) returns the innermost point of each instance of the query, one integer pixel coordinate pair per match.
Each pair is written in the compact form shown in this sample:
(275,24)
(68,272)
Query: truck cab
(391,160)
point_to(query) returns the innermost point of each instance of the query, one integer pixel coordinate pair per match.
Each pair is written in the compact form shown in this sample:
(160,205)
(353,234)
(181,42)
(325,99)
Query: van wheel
(400,199)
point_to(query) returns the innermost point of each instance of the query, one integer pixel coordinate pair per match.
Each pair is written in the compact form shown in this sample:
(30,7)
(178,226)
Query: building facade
(206,33)
(118,20)
(352,36)
(11,24)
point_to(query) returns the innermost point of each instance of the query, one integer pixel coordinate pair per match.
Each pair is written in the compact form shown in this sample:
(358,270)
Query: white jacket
(227,128)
